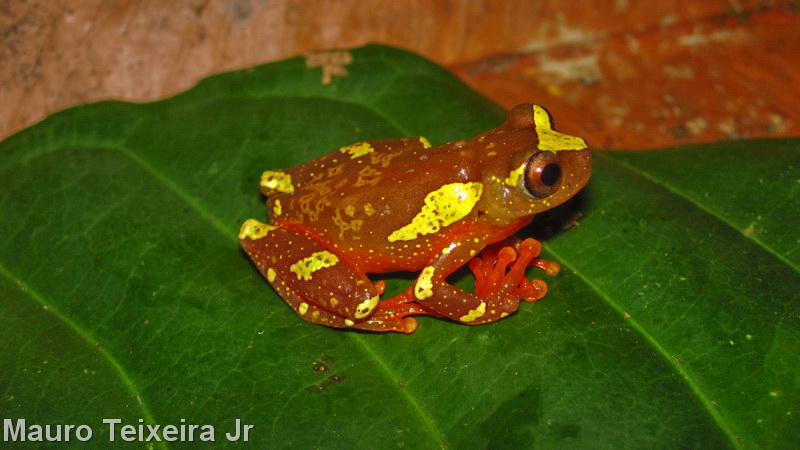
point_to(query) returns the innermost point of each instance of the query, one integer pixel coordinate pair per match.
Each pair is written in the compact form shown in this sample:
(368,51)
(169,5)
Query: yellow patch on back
(425,143)
(277,180)
(253,229)
(276,208)
(513,176)
(444,206)
(552,140)
(319,260)
(423,288)
(356,150)
(474,314)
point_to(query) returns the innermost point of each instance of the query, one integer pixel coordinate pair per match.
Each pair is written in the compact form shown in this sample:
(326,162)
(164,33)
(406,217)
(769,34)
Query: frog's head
(532,167)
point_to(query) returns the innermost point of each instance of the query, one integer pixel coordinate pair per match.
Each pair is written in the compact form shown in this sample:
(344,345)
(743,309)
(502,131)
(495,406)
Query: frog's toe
(406,325)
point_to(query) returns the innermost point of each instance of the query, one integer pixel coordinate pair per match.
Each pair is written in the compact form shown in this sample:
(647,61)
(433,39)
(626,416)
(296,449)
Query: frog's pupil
(551,173)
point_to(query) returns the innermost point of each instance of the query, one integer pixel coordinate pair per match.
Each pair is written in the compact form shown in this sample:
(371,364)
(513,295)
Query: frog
(401,204)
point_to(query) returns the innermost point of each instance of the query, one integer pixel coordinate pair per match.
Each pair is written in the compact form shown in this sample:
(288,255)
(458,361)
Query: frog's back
(359,204)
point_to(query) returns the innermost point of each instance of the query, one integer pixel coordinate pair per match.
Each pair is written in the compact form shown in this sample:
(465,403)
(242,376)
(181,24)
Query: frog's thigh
(314,281)
(450,301)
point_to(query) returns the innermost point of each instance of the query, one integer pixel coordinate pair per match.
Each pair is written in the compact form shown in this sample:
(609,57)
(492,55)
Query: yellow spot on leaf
(319,260)
(550,139)
(356,150)
(444,206)
(503,314)
(474,314)
(364,308)
(424,285)
(253,229)
(270,275)
(303,308)
(277,180)
(276,208)
(349,322)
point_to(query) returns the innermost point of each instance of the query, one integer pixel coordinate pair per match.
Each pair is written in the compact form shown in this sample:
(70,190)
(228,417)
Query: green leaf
(124,295)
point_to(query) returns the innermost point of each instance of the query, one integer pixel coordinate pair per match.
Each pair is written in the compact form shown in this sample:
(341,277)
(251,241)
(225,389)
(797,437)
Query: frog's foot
(500,269)
(500,284)
(392,312)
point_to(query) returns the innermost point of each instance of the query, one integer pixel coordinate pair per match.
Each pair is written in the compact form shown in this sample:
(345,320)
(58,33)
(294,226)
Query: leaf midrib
(684,375)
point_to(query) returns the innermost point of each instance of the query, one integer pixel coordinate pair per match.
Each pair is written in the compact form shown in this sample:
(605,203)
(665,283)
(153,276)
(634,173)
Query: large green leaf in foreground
(124,295)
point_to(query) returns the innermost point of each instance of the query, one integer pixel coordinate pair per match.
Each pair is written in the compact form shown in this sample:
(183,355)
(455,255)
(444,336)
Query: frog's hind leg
(316,283)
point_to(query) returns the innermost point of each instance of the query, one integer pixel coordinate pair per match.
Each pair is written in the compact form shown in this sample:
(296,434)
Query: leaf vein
(90,340)
(658,182)
(669,358)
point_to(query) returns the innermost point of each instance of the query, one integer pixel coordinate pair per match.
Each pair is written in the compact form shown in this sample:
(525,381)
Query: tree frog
(403,205)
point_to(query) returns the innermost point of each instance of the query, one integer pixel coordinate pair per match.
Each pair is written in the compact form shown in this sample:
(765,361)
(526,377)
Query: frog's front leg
(319,285)
(500,281)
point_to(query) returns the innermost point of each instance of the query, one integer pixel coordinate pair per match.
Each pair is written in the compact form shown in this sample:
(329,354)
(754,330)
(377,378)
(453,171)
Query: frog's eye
(542,174)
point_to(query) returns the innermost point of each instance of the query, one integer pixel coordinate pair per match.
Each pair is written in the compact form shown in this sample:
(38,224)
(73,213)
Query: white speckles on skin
(423,288)
(474,314)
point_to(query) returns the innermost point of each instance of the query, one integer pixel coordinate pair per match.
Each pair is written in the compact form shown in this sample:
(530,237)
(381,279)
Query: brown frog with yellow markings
(400,204)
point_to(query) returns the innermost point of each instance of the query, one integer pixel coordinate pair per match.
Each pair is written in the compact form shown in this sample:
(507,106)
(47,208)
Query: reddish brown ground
(622,73)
